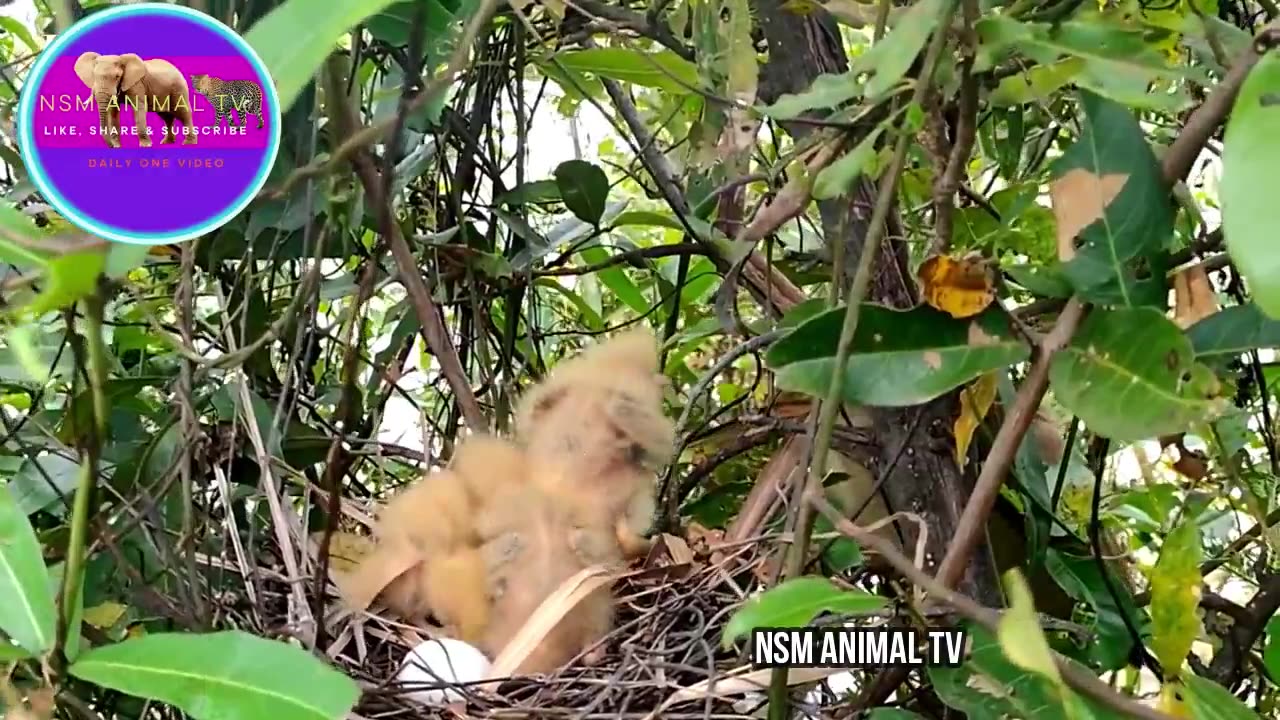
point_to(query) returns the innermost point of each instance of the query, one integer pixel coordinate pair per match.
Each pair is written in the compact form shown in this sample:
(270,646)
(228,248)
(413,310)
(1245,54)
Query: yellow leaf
(135,631)
(1079,198)
(1175,597)
(104,616)
(975,401)
(1171,703)
(960,287)
(1019,631)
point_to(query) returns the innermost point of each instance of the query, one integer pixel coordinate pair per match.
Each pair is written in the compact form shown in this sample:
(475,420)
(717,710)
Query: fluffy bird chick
(599,416)
(430,529)
(536,536)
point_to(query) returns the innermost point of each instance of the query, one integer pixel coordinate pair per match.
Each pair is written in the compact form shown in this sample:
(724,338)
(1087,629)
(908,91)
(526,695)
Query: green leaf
(68,278)
(989,686)
(15,224)
(296,37)
(1249,157)
(123,257)
(589,316)
(71,645)
(1045,280)
(1271,655)
(1036,84)
(1234,330)
(1175,596)
(1113,253)
(826,91)
(647,218)
(835,179)
(891,713)
(584,188)
(795,603)
(27,613)
(1019,632)
(663,70)
(802,312)
(23,344)
(21,32)
(1207,700)
(886,62)
(899,357)
(222,676)
(1129,374)
(12,653)
(39,481)
(392,25)
(1115,60)
(616,279)
(1081,579)
(538,191)
(891,57)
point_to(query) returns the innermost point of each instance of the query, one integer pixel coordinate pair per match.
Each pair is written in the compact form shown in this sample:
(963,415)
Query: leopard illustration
(243,96)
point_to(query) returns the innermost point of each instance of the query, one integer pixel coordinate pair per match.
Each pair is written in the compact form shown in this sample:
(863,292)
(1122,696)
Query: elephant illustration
(127,82)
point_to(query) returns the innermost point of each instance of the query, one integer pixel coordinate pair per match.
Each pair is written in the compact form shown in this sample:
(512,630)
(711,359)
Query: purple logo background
(111,185)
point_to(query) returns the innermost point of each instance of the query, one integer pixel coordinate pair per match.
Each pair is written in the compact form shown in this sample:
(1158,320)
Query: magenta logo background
(162,193)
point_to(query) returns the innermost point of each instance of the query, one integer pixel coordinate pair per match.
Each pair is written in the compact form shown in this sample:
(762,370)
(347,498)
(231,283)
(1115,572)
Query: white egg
(444,660)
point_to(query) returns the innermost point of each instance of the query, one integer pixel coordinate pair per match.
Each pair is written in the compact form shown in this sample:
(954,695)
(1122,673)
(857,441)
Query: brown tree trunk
(926,479)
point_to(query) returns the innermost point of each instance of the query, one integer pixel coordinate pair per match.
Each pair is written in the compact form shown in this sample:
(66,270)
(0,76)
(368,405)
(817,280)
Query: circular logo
(149,124)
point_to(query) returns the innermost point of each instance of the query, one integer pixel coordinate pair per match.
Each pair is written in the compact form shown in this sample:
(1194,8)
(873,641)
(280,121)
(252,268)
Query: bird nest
(664,658)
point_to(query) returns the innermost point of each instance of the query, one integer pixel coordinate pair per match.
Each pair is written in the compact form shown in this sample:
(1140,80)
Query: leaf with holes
(1110,199)
(898,357)
(1129,374)
(222,676)
(795,603)
(1080,578)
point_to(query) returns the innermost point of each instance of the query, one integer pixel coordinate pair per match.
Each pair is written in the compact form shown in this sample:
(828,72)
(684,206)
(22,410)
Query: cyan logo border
(31,155)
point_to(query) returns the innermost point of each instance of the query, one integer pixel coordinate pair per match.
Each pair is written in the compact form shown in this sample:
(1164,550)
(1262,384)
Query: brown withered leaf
(1079,198)
(1193,295)
(961,287)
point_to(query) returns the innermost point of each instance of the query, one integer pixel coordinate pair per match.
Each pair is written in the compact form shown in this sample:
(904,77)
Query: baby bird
(430,529)
(535,536)
(599,416)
